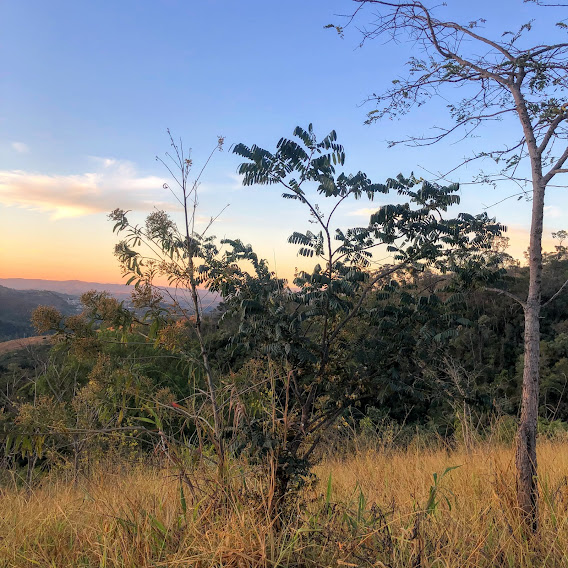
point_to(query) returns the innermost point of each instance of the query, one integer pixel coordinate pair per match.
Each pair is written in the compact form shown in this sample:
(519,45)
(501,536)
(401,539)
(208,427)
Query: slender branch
(547,48)
(339,202)
(556,295)
(431,24)
(508,294)
(212,220)
(366,290)
(478,119)
(557,168)
(551,132)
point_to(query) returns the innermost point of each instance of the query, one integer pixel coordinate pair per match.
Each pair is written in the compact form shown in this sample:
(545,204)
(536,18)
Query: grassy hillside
(24,343)
(16,307)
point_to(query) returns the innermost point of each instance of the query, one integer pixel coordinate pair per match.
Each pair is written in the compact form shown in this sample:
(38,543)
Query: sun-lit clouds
(20,147)
(113,183)
(363,212)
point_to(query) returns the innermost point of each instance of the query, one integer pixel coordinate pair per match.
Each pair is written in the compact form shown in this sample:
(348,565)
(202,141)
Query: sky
(88,90)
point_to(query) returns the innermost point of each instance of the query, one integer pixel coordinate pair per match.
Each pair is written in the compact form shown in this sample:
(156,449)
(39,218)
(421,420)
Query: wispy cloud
(113,183)
(553,212)
(20,147)
(364,212)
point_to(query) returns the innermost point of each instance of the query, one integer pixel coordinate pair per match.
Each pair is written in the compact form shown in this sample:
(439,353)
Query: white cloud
(20,147)
(364,212)
(553,212)
(114,183)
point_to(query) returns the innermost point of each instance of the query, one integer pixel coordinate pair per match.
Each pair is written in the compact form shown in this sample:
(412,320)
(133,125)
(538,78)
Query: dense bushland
(106,388)
(279,364)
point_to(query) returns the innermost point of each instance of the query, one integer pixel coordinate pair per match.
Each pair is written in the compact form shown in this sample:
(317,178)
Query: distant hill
(72,287)
(16,307)
(78,287)
(14,319)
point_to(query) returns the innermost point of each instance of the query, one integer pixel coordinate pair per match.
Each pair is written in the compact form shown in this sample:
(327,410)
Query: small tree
(528,83)
(332,296)
(160,248)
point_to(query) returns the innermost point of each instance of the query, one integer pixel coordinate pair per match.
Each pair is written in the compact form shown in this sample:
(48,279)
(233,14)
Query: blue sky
(87,90)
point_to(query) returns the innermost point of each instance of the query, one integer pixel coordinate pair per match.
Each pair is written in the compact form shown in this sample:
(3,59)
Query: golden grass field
(370,509)
(23,343)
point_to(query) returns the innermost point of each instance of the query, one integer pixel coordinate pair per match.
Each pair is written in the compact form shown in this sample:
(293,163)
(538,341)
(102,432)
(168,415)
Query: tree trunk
(527,488)
(525,457)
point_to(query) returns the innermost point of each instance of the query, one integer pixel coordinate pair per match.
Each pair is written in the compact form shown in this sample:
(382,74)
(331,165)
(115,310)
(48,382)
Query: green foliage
(413,345)
(316,330)
(436,493)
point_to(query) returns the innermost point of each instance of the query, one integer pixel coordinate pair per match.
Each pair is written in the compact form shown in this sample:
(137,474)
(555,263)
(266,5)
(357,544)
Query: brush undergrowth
(396,508)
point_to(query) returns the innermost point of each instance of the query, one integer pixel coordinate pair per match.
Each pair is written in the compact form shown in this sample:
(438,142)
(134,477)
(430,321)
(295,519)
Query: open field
(17,344)
(370,509)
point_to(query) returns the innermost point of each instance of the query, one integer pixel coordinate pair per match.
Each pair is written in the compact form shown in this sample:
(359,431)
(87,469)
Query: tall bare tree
(501,78)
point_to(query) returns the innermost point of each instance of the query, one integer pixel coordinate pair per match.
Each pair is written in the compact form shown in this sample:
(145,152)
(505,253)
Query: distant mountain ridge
(16,307)
(72,287)
(15,310)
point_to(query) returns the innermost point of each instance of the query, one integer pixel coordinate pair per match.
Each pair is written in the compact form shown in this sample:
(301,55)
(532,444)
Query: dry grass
(23,343)
(372,509)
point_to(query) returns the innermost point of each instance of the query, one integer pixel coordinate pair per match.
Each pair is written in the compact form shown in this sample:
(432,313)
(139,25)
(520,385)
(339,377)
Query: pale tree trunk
(527,488)
(525,455)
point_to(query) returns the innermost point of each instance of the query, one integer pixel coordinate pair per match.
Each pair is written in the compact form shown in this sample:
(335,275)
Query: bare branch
(551,132)
(557,168)
(508,294)
(556,295)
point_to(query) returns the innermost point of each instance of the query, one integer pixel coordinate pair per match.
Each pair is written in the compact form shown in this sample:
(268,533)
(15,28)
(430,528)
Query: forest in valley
(384,407)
